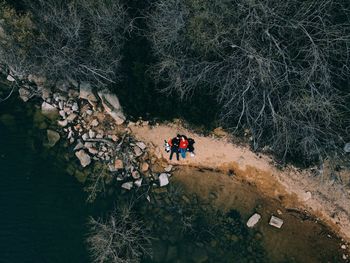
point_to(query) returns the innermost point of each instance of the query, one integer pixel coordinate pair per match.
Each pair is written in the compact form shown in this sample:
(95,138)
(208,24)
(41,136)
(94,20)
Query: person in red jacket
(183,146)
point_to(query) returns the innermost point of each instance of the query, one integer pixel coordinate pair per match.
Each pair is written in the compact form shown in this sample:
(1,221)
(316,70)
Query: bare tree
(78,39)
(275,66)
(120,238)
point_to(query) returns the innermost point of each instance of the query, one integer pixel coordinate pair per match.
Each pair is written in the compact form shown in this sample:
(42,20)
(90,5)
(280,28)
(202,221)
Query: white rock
(10,78)
(86,92)
(253,220)
(347,147)
(127,185)
(141,145)
(112,106)
(62,123)
(168,168)
(60,105)
(85,136)
(148,198)
(83,157)
(47,108)
(137,151)
(276,222)
(89,112)
(343,246)
(92,134)
(62,114)
(94,123)
(24,94)
(75,107)
(99,136)
(306,196)
(138,182)
(163,179)
(71,117)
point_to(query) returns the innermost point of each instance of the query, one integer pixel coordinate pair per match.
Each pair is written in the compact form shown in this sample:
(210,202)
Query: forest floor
(302,189)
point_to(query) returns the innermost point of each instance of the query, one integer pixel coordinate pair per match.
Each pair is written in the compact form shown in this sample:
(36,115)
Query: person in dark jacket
(174,144)
(190,147)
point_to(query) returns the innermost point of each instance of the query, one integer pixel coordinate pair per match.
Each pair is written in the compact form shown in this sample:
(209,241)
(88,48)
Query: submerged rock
(253,220)
(24,94)
(52,137)
(347,147)
(127,185)
(48,109)
(10,78)
(83,157)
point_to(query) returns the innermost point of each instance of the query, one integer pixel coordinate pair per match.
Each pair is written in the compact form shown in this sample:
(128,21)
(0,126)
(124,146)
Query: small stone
(10,78)
(94,123)
(83,157)
(52,137)
(168,168)
(60,105)
(24,94)
(71,117)
(118,164)
(75,107)
(89,112)
(148,198)
(141,145)
(47,108)
(93,151)
(127,185)
(62,123)
(71,140)
(85,136)
(276,222)
(62,114)
(279,212)
(92,134)
(135,175)
(345,257)
(144,167)
(99,136)
(343,246)
(306,196)
(138,152)
(163,179)
(78,146)
(347,147)
(138,182)
(114,138)
(253,220)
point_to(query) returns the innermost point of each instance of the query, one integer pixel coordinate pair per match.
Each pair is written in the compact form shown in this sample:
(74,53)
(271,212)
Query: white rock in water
(94,123)
(62,123)
(86,92)
(253,220)
(47,108)
(347,147)
(112,106)
(148,198)
(83,157)
(276,222)
(138,182)
(127,185)
(52,137)
(10,78)
(163,179)
(141,145)
(24,94)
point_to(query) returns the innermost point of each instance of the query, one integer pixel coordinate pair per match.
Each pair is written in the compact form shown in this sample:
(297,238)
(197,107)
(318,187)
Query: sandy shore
(296,189)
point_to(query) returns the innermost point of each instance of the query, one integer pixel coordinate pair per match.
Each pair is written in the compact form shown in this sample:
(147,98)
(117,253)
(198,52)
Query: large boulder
(52,138)
(48,109)
(86,92)
(83,157)
(112,106)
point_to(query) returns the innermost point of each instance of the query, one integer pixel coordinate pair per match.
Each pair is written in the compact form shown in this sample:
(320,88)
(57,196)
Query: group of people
(180,145)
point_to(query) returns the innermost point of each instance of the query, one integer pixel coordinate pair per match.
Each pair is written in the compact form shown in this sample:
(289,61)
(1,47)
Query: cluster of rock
(96,136)
(274,221)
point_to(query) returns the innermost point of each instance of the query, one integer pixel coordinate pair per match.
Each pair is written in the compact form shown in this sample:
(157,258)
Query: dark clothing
(190,145)
(174,143)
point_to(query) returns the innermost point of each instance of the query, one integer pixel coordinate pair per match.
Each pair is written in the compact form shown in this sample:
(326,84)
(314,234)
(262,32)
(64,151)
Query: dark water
(43,210)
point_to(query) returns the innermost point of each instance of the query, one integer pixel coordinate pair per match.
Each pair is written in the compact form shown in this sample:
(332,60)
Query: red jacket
(183,144)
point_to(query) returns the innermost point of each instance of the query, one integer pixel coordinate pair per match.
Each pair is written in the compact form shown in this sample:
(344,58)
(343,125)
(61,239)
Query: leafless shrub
(274,65)
(120,238)
(79,39)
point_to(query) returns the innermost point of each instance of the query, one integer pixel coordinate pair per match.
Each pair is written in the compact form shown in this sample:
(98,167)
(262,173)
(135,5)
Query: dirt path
(295,189)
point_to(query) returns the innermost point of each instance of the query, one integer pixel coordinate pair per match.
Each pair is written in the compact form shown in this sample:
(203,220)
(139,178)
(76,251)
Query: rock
(306,196)
(276,222)
(345,257)
(78,146)
(168,168)
(71,117)
(135,175)
(163,179)
(83,157)
(10,78)
(48,109)
(138,152)
(148,198)
(24,94)
(127,185)
(347,147)
(219,132)
(94,123)
(39,81)
(89,112)
(53,137)
(85,136)
(62,114)
(138,182)
(73,93)
(86,92)
(92,134)
(114,138)
(93,151)
(144,167)
(60,105)
(75,107)
(253,220)
(141,145)
(62,85)
(99,136)
(158,153)
(112,106)
(62,123)
(45,93)
(343,246)
(118,164)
